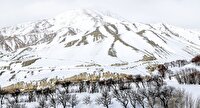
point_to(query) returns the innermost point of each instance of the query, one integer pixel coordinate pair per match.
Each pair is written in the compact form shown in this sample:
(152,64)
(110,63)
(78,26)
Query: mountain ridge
(89,38)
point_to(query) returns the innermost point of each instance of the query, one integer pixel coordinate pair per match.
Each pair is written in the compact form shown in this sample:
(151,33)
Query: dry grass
(25,87)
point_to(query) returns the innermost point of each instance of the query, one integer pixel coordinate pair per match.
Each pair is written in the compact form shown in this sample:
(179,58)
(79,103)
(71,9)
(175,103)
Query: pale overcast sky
(183,13)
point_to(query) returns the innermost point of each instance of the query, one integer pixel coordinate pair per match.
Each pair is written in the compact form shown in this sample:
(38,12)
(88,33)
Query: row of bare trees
(177,63)
(154,96)
(188,76)
(180,63)
(45,98)
(142,92)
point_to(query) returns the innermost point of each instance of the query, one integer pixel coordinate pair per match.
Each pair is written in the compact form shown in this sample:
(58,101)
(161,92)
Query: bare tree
(197,105)
(87,100)
(189,101)
(2,96)
(178,78)
(11,103)
(52,99)
(31,96)
(146,94)
(66,85)
(73,100)
(94,87)
(42,102)
(165,94)
(132,95)
(121,96)
(177,100)
(81,87)
(15,95)
(63,97)
(140,99)
(105,99)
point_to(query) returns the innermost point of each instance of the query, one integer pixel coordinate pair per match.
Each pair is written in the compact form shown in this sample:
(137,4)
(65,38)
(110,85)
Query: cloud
(182,13)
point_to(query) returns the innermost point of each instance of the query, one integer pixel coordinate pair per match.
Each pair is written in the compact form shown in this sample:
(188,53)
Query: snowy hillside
(87,41)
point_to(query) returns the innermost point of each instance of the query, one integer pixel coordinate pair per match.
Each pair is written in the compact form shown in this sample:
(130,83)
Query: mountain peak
(79,12)
(83,18)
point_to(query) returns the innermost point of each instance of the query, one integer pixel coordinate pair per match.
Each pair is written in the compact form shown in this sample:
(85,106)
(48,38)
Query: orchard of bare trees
(138,93)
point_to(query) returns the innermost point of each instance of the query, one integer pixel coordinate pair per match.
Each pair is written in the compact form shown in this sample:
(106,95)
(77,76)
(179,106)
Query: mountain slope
(84,41)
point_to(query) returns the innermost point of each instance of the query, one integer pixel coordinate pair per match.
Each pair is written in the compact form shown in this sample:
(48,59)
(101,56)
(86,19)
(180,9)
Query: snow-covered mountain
(85,41)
